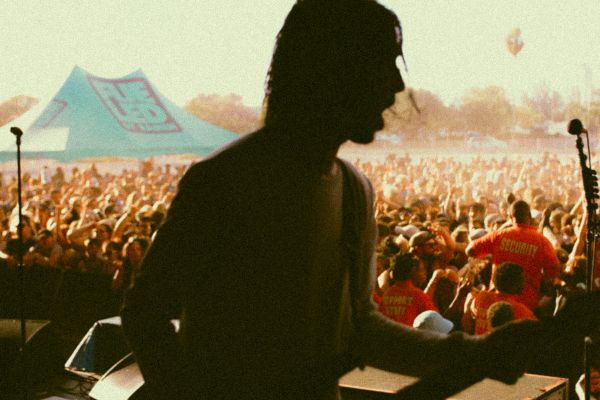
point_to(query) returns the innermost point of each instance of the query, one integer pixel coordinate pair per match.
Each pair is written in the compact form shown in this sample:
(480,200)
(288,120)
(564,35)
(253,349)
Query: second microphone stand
(590,186)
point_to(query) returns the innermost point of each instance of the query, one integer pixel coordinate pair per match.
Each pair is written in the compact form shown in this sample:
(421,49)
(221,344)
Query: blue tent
(125,117)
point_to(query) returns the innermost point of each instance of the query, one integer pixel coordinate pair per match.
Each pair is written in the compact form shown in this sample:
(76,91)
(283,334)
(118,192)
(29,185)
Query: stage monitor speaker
(41,355)
(102,346)
(123,381)
(375,384)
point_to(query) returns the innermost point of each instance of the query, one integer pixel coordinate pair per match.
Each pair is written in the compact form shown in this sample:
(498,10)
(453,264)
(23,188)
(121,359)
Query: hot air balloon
(514,43)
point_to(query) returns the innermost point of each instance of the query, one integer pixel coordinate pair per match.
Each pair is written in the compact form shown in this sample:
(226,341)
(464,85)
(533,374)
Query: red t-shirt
(377,299)
(402,302)
(524,245)
(484,300)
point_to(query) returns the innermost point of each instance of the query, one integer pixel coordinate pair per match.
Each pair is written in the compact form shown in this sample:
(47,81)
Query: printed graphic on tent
(134,105)
(91,116)
(55,107)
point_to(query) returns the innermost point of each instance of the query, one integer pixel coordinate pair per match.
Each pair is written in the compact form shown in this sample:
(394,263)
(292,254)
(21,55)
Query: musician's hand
(508,351)
(513,348)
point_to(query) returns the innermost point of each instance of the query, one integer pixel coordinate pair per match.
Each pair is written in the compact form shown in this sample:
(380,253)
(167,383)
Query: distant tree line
(228,112)
(489,111)
(485,110)
(14,107)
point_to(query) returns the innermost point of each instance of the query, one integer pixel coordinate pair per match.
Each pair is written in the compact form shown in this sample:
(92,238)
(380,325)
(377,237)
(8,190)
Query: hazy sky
(188,47)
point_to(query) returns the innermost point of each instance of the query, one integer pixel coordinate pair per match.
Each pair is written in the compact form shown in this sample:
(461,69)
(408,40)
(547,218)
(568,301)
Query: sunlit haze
(188,47)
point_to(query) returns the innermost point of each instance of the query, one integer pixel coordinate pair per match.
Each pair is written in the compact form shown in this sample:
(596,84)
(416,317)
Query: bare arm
(456,309)
(123,223)
(469,251)
(432,285)
(578,205)
(58,232)
(468,320)
(448,202)
(77,234)
(579,245)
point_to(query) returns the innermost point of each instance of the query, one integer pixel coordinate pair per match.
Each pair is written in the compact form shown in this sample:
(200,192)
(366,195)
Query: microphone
(16,131)
(576,127)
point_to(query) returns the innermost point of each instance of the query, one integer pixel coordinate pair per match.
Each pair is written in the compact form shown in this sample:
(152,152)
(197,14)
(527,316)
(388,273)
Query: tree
(487,110)
(528,118)
(594,111)
(575,108)
(417,112)
(14,107)
(546,102)
(227,112)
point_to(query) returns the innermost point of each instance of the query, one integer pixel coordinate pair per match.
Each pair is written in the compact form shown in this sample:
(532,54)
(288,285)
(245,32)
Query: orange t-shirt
(484,300)
(402,302)
(523,245)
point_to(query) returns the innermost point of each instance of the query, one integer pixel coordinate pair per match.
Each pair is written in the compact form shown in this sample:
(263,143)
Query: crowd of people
(437,267)
(445,212)
(266,253)
(470,246)
(430,208)
(82,223)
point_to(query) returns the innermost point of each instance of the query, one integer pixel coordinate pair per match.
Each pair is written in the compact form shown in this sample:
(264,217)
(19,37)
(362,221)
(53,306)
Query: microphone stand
(590,186)
(21,273)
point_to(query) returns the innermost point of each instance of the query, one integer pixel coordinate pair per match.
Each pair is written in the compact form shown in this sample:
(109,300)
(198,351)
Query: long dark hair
(320,58)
